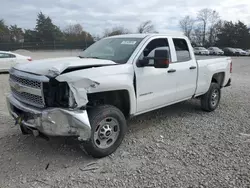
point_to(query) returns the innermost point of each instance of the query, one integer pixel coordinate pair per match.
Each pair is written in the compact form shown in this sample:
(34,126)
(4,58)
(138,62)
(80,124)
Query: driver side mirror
(161,59)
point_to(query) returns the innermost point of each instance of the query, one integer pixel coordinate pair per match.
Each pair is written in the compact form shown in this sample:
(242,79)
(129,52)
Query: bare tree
(186,24)
(115,31)
(207,17)
(146,27)
(215,25)
(214,31)
(96,37)
(197,35)
(203,16)
(75,29)
(75,33)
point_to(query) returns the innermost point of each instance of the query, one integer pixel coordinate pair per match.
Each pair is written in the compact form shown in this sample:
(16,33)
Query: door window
(182,50)
(6,55)
(149,50)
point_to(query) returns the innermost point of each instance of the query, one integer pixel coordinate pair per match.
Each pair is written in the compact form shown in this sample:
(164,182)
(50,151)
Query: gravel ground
(177,146)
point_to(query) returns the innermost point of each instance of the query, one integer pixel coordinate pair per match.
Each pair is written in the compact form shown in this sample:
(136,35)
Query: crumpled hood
(55,66)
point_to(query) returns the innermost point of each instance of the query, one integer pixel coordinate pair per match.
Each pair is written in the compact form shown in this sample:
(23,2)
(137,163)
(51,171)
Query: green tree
(16,33)
(4,32)
(30,36)
(46,30)
(234,35)
(213,33)
(242,35)
(3,27)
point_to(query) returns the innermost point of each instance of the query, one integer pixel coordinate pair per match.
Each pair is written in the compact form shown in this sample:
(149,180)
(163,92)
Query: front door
(156,87)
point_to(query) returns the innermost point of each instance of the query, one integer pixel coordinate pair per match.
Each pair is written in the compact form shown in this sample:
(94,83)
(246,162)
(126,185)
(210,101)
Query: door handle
(192,67)
(171,71)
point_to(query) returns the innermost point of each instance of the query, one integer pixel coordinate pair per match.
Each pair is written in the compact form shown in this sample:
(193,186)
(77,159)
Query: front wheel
(109,127)
(211,100)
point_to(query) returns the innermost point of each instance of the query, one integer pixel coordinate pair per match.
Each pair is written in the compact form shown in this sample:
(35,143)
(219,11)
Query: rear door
(186,69)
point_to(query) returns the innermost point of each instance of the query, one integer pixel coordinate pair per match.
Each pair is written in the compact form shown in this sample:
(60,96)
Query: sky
(97,15)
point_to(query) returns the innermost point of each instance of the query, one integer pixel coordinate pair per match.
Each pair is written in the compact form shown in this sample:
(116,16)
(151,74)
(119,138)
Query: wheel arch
(218,78)
(118,98)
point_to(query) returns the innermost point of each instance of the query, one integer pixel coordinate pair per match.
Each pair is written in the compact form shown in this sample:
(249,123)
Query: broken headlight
(58,94)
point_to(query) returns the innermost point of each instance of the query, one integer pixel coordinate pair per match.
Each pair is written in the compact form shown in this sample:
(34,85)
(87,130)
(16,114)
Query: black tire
(208,101)
(96,116)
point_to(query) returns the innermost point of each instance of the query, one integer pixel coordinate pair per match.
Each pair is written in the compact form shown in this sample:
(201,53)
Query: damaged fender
(101,79)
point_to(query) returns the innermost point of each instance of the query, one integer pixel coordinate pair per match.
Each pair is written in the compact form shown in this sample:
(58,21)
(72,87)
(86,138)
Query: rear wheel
(211,100)
(108,130)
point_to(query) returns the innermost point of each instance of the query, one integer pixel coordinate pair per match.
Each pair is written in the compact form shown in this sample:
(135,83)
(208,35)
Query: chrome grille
(26,82)
(28,98)
(27,88)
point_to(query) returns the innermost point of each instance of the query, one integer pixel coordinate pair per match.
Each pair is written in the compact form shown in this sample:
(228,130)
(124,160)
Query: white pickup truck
(91,96)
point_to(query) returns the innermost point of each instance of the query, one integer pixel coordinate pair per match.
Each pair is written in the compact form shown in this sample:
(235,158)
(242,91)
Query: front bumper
(51,121)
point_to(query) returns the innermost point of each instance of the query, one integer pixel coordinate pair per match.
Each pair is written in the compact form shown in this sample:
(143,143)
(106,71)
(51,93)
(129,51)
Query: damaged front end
(51,121)
(50,106)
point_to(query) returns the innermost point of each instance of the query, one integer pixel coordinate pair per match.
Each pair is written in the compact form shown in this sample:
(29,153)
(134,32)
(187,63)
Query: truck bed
(208,66)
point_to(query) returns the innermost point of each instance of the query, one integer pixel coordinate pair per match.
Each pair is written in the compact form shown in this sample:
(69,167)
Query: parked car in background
(241,52)
(230,52)
(200,51)
(9,59)
(248,52)
(215,51)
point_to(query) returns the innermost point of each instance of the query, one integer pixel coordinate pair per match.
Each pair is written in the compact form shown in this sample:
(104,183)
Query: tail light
(231,67)
(29,59)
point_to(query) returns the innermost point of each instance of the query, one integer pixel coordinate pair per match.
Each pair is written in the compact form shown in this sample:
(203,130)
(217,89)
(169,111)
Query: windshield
(115,49)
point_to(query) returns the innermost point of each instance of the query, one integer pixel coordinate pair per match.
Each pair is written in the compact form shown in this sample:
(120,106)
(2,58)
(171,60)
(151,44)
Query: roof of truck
(170,33)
